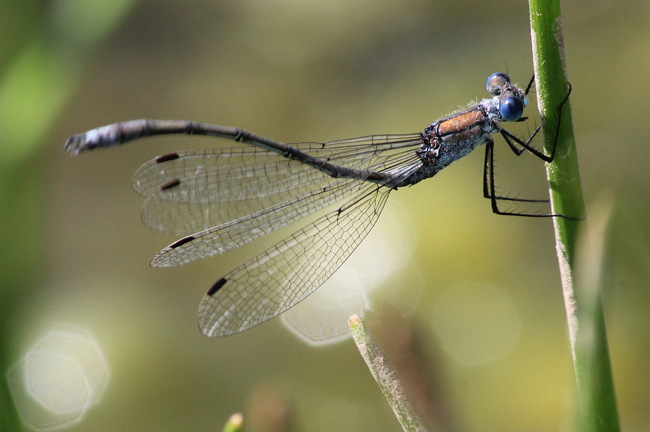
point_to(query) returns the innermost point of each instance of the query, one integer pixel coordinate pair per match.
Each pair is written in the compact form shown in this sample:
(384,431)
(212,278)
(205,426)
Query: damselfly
(226,197)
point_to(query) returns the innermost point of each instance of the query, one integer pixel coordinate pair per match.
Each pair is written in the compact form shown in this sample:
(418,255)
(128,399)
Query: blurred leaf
(32,93)
(596,396)
(37,80)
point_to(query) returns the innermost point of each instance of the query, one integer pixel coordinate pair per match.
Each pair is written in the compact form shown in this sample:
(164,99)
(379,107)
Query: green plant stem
(386,376)
(596,399)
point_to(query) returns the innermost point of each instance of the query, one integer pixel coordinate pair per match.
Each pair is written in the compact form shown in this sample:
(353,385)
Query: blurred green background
(74,250)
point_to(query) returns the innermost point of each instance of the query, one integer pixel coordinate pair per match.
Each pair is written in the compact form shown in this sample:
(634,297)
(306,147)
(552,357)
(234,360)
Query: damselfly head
(511,100)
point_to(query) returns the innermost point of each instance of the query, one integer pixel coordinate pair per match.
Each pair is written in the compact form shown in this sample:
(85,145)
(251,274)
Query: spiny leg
(489,188)
(512,139)
(530,84)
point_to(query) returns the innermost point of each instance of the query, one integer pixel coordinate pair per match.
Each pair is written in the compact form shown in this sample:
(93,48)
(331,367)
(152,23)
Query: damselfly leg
(489,188)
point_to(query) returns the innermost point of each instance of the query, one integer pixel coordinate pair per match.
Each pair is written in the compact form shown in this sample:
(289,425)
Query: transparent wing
(220,166)
(289,271)
(196,190)
(236,163)
(232,234)
(198,202)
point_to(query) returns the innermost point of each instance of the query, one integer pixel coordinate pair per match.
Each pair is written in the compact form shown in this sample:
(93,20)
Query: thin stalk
(596,399)
(387,377)
(235,423)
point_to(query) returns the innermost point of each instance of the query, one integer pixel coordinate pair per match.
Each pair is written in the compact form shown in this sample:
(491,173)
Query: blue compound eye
(511,109)
(496,82)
